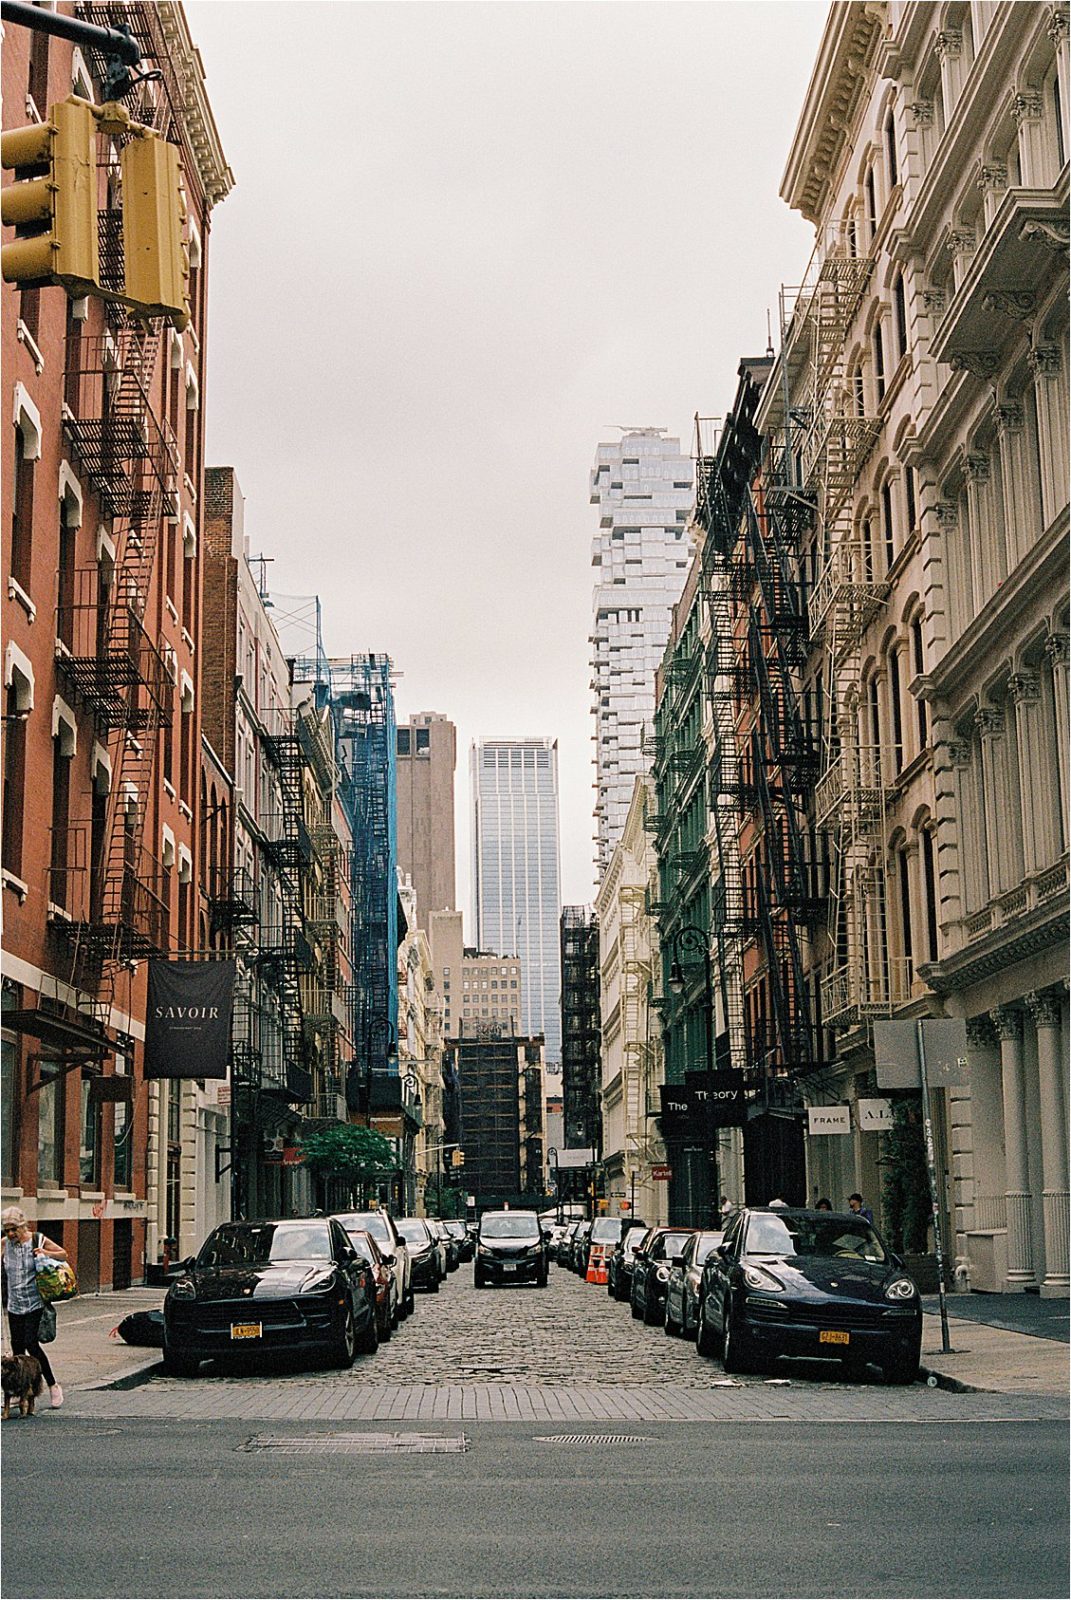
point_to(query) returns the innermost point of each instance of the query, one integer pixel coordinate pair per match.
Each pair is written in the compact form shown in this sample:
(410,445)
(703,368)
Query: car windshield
(666,1245)
(457,1229)
(365,1245)
(509,1225)
(707,1243)
(373,1222)
(252,1244)
(812,1235)
(605,1229)
(412,1230)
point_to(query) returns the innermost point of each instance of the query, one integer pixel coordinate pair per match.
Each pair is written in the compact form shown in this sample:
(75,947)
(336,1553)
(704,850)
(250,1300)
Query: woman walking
(22,1302)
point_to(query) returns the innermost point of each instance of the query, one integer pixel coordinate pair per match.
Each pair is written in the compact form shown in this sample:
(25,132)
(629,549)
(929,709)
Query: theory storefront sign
(188,1027)
(714,1100)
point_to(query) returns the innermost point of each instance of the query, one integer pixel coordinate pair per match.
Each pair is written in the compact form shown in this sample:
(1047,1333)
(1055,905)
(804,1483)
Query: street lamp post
(691,940)
(552,1161)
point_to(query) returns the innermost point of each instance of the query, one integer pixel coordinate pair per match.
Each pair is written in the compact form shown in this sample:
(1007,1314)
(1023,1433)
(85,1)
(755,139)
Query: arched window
(887,528)
(929,891)
(904,883)
(918,666)
(900,310)
(871,203)
(891,166)
(877,346)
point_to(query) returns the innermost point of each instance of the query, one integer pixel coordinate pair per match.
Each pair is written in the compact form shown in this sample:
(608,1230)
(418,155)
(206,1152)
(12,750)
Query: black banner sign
(714,1100)
(188,1027)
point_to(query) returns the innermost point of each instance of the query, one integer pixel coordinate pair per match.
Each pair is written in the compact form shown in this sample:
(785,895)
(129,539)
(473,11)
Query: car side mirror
(724,1252)
(389,1261)
(676,1261)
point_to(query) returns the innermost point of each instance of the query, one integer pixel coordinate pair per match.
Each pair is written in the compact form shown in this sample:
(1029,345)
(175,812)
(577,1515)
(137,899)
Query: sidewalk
(83,1356)
(987,1353)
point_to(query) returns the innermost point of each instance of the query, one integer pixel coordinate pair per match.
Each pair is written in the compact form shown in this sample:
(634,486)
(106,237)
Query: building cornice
(216,176)
(846,54)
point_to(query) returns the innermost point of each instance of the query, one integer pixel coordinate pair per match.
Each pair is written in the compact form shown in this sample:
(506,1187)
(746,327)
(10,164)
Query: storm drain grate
(358,1444)
(593,1438)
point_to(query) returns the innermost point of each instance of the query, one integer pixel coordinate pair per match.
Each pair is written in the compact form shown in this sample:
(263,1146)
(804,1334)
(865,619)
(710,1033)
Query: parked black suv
(510,1248)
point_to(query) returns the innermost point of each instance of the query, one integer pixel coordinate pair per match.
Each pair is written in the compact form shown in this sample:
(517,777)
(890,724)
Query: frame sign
(829,1119)
(188,1027)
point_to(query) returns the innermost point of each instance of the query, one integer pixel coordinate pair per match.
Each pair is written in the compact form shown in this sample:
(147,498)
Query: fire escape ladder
(292,853)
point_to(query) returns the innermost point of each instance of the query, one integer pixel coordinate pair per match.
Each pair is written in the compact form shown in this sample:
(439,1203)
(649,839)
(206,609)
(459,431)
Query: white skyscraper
(516,874)
(643,489)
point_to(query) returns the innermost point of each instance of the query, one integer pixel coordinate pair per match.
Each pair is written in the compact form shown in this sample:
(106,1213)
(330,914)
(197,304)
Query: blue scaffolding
(362,707)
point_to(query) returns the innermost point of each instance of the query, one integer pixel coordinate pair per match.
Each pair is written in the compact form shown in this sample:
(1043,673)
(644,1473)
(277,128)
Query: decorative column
(948,48)
(1057,31)
(1026,109)
(1017,479)
(1024,692)
(992,181)
(1054,1192)
(977,468)
(990,724)
(1051,401)
(1009,1026)
(1056,648)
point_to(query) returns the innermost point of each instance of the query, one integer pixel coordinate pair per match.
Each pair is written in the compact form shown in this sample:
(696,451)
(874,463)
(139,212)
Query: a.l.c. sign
(875,1116)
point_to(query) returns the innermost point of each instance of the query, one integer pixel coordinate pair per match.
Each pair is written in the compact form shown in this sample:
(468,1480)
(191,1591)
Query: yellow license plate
(833,1336)
(246,1330)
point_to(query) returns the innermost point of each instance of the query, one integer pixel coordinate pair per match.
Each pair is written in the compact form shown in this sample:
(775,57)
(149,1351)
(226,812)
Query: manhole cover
(358,1444)
(593,1438)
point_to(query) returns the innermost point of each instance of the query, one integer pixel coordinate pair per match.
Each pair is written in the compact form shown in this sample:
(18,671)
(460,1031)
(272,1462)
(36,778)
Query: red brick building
(102,601)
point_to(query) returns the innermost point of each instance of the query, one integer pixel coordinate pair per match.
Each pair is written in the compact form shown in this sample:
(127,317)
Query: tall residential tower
(643,489)
(427,756)
(516,872)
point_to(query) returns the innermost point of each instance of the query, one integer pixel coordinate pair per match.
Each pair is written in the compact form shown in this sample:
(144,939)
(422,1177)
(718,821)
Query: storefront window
(89,1148)
(50,1098)
(123,1164)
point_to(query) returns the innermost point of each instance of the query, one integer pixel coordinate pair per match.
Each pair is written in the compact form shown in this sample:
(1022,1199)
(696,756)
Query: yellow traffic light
(53,201)
(459,1158)
(155,259)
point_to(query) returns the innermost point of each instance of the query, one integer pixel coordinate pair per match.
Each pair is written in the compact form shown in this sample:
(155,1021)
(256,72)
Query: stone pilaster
(1051,399)
(1009,1026)
(1024,694)
(1054,1193)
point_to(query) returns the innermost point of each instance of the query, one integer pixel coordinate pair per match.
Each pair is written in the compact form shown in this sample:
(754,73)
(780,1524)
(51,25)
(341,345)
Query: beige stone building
(478,989)
(427,757)
(631,1054)
(921,394)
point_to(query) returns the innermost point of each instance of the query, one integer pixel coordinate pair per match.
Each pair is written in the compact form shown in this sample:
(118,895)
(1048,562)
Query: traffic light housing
(53,202)
(459,1158)
(155,259)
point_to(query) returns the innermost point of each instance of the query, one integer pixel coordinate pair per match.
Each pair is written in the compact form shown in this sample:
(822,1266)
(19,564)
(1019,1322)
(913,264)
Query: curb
(941,1380)
(127,1378)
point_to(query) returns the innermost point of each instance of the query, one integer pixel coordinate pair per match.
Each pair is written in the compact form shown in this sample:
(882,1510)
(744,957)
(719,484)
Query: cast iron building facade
(580,1027)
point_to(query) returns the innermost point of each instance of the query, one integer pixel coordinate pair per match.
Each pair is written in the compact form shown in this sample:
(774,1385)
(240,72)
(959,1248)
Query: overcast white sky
(465,241)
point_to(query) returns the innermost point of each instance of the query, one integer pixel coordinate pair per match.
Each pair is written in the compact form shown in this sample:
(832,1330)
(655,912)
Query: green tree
(348,1158)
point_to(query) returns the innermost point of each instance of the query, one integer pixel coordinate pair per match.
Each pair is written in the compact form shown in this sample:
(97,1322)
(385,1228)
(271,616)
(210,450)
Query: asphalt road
(123,1507)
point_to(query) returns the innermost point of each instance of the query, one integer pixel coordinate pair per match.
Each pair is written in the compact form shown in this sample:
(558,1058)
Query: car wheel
(706,1340)
(736,1355)
(179,1366)
(346,1345)
(542,1280)
(434,1285)
(410,1301)
(478,1280)
(904,1369)
(386,1328)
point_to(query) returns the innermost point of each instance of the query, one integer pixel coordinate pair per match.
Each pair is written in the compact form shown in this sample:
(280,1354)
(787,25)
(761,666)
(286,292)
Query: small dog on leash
(22,1381)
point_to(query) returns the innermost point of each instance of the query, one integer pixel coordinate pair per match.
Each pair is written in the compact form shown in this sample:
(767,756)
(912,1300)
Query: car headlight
(662,1274)
(901,1289)
(758,1278)
(319,1283)
(184,1289)
(482,1250)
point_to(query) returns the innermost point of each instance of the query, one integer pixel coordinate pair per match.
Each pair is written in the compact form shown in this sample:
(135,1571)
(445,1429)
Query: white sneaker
(56,1396)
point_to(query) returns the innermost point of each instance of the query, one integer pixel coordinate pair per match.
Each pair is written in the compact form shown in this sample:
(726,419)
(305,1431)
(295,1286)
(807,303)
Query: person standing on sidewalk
(22,1302)
(858,1208)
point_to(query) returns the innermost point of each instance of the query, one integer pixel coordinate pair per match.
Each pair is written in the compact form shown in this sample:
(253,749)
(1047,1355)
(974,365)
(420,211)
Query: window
(14,776)
(871,203)
(919,667)
(900,309)
(50,1125)
(423,739)
(22,507)
(9,1056)
(30,311)
(403,742)
(89,1148)
(890,151)
(887,523)
(894,705)
(123,1159)
(929,877)
(905,903)
(38,80)
(878,348)
(909,495)
(61,803)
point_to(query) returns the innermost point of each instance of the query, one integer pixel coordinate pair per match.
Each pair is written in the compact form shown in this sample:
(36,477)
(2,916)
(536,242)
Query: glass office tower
(516,872)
